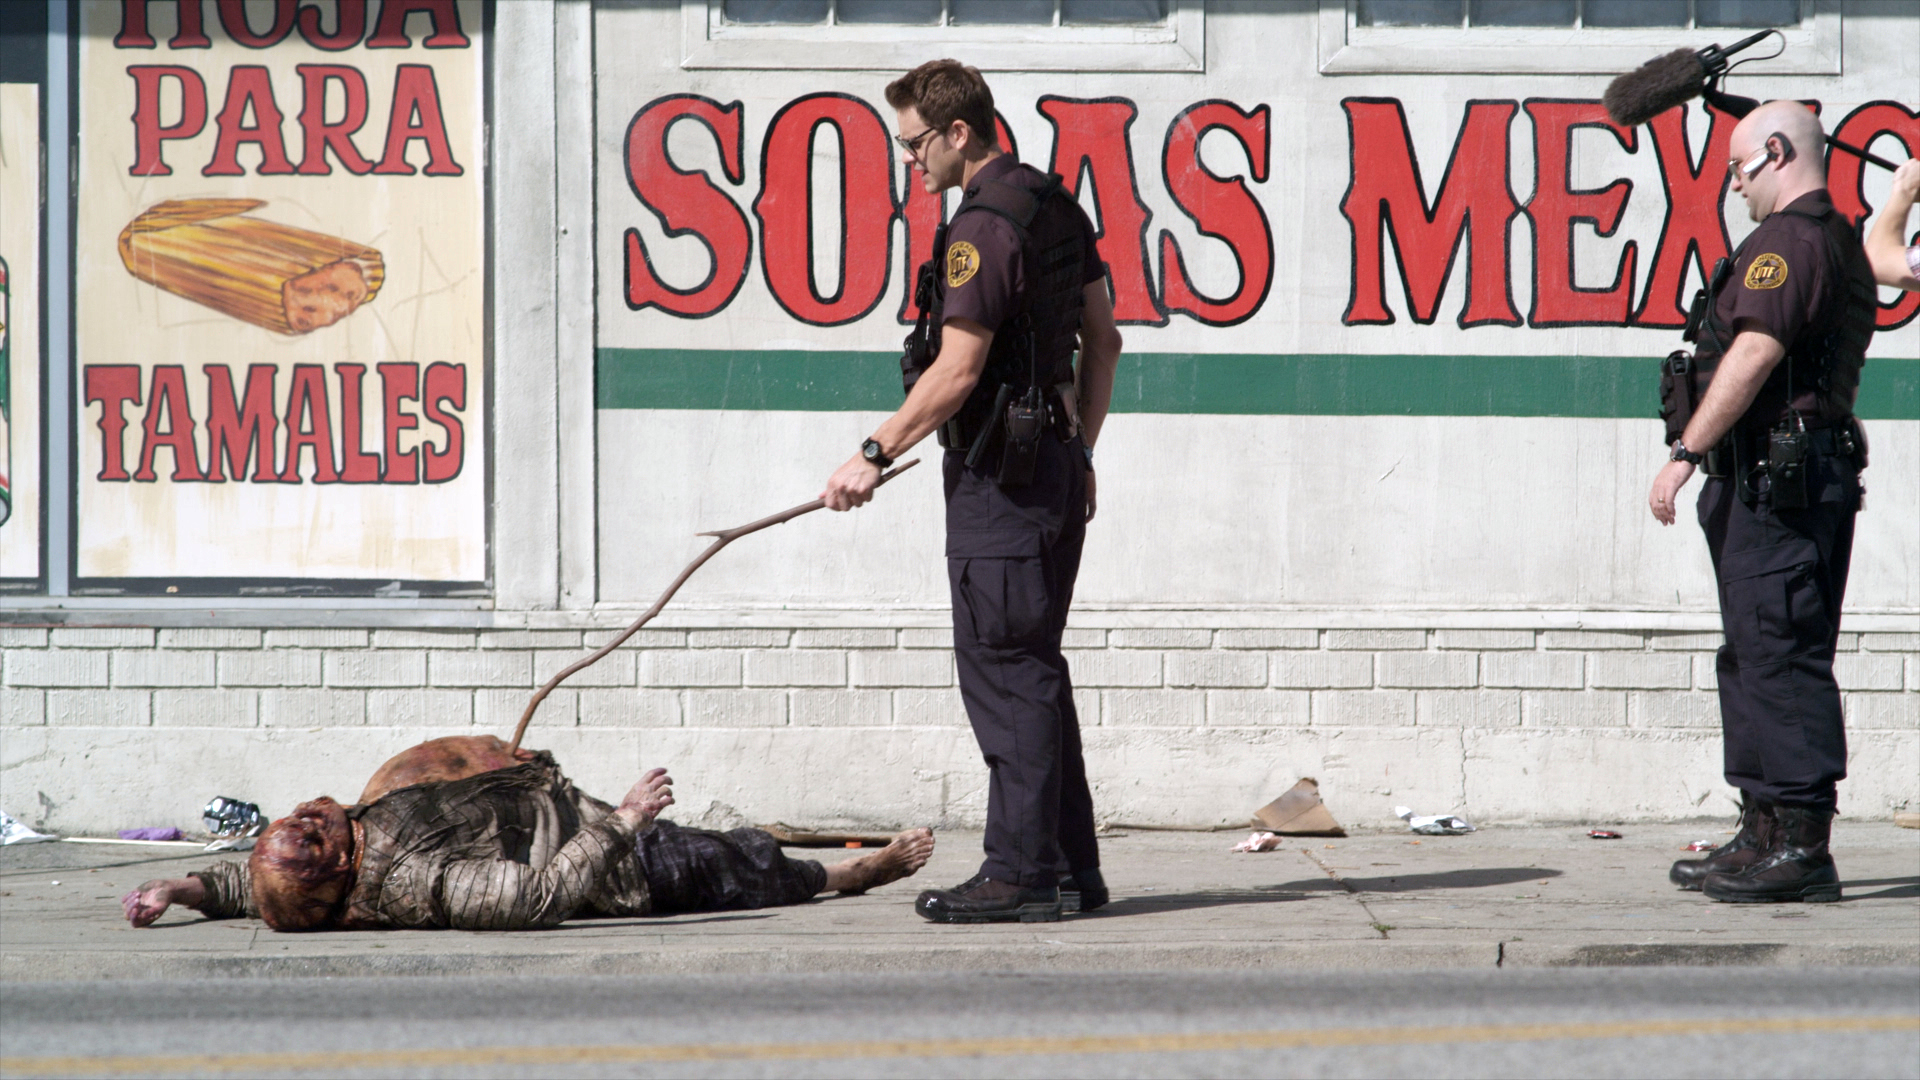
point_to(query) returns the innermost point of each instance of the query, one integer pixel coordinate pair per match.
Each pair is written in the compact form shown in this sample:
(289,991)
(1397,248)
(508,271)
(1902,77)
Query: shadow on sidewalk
(1188,901)
(1445,879)
(1904,888)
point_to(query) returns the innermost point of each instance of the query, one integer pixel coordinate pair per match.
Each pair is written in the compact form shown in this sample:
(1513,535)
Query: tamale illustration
(275,276)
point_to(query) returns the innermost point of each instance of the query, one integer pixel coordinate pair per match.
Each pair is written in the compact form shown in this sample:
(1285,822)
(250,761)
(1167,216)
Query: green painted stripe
(1239,383)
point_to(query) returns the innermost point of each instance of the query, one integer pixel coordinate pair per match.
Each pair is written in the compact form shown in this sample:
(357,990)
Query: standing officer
(1782,332)
(1014,287)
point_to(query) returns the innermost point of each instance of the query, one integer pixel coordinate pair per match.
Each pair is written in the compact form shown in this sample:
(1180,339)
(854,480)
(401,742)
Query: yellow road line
(1182,1043)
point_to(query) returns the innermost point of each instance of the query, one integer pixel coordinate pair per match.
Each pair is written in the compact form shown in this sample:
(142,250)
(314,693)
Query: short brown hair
(944,91)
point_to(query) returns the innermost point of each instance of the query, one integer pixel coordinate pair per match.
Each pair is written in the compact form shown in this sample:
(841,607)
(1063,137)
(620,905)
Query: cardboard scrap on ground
(793,837)
(1299,812)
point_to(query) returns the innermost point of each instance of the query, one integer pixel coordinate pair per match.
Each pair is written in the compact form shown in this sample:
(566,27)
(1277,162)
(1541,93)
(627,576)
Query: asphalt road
(1748,1022)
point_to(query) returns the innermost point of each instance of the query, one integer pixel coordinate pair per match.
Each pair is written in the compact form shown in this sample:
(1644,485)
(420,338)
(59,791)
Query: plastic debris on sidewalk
(1260,841)
(1298,812)
(15,831)
(1700,845)
(1603,834)
(231,817)
(156,833)
(232,843)
(1907,821)
(1433,824)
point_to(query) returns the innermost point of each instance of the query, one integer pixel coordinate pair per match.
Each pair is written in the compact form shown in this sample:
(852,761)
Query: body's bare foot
(907,854)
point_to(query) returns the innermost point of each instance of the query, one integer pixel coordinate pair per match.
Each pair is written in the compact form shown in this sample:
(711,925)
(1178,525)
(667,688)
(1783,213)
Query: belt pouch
(1787,469)
(1720,459)
(1025,420)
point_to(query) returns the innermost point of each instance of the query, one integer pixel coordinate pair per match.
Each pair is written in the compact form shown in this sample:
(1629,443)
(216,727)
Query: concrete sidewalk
(1543,896)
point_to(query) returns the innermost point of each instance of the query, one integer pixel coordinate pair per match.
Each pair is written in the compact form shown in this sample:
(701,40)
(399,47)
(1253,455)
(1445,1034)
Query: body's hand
(151,900)
(652,794)
(1089,494)
(851,484)
(1666,488)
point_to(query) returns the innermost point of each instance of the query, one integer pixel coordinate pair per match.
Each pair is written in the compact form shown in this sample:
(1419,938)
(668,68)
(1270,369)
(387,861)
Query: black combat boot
(1083,891)
(1796,867)
(984,900)
(1747,847)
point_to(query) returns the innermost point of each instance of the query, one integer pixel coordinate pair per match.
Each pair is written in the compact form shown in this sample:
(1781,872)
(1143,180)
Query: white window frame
(709,42)
(1813,47)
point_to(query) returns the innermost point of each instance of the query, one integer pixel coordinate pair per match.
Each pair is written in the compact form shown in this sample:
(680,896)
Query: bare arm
(151,900)
(936,396)
(1099,356)
(1886,243)
(1736,382)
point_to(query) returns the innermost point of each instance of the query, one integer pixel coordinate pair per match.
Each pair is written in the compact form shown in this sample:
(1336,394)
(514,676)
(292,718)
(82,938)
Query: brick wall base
(107,728)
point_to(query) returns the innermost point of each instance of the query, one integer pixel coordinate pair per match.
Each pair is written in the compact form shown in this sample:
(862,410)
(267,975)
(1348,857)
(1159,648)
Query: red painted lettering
(1556,207)
(309,425)
(113,386)
(1221,208)
(398,383)
(415,93)
(190,34)
(349,23)
(686,202)
(250,86)
(167,404)
(148,132)
(785,208)
(233,19)
(237,428)
(391,31)
(446,384)
(1091,137)
(320,136)
(356,465)
(1473,208)
(1694,230)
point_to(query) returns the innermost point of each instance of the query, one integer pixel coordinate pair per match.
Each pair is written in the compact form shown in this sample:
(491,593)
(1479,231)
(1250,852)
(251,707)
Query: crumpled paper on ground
(1260,841)
(15,831)
(1433,824)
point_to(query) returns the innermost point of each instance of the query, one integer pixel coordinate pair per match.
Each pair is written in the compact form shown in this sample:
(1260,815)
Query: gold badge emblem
(1769,271)
(963,261)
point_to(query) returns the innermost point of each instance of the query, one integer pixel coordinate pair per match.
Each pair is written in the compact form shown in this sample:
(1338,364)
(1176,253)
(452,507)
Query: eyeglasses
(912,145)
(1751,167)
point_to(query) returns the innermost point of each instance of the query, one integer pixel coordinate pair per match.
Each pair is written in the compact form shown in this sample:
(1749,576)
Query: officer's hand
(1089,494)
(851,484)
(1666,488)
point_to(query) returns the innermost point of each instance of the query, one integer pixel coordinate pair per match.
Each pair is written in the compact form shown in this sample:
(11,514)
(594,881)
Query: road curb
(55,966)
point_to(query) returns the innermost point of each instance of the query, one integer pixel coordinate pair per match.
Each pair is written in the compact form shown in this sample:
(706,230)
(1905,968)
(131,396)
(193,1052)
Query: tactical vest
(1819,377)
(1036,343)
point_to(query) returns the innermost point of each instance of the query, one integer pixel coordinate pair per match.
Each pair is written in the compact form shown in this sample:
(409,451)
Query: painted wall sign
(281,316)
(19,331)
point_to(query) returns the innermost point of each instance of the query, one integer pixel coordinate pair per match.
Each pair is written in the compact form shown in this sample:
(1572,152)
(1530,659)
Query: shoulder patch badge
(1768,271)
(963,261)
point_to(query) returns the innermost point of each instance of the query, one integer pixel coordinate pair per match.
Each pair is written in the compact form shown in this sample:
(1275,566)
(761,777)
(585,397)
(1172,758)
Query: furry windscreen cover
(1654,87)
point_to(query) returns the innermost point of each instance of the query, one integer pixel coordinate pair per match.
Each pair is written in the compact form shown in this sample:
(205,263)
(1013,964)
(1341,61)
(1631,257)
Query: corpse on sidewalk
(463,833)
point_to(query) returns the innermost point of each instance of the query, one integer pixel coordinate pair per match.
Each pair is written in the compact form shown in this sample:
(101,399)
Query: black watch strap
(872,452)
(1681,453)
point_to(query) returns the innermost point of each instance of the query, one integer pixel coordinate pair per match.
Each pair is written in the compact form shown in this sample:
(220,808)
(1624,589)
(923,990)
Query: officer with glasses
(1764,407)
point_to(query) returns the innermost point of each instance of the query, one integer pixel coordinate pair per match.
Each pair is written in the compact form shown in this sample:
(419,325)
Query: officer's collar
(994,170)
(1815,202)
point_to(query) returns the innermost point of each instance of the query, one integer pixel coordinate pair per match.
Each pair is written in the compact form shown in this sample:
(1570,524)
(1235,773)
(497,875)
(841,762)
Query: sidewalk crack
(1354,894)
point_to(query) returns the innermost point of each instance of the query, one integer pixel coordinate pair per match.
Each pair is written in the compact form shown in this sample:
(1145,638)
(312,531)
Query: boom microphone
(1673,79)
(1682,75)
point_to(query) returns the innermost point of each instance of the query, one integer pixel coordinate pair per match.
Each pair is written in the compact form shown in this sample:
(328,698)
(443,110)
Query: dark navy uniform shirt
(1782,281)
(982,271)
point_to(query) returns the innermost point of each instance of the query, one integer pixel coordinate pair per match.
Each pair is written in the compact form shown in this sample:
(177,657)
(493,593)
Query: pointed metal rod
(721,539)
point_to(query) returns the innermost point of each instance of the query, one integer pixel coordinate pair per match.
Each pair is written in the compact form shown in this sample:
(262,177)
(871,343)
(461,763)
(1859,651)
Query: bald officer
(1786,333)
(1015,289)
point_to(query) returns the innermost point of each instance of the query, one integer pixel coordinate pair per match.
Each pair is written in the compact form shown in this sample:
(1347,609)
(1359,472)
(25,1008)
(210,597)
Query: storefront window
(1578,13)
(944,12)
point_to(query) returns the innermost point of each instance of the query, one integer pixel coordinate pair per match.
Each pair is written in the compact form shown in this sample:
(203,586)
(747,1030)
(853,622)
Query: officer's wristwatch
(1087,450)
(871,451)
(1681,453)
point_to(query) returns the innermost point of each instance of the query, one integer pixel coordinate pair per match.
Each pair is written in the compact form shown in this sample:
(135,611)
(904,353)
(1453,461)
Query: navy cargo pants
(1782,575)
(1012,556)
